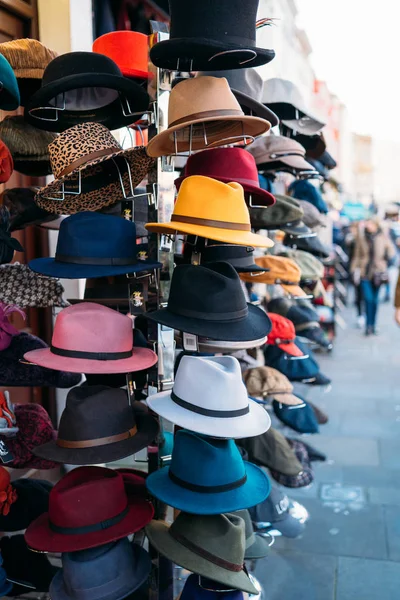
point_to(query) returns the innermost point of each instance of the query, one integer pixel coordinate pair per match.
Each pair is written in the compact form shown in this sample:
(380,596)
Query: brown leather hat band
(85,159)
(98,442)
(210,223)
(207,114)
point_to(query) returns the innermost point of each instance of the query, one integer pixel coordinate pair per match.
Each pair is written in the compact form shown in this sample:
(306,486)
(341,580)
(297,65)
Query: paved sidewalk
(351,547)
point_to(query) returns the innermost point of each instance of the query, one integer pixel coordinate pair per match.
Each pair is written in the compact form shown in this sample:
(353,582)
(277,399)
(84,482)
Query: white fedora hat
(209,397)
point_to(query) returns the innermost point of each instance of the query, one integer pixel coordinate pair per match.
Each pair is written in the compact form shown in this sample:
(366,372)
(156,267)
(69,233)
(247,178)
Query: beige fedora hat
(210,107)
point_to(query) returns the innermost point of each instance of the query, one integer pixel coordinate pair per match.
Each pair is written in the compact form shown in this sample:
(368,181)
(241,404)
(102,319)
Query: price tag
(190,342)
(5,454)
(137,298)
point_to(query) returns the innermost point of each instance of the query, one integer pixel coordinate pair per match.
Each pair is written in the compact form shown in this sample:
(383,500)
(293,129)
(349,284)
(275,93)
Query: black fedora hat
(247,86)
(79,87)
(29,571)
(32,501)
(99,425)
(208,35)
(313,245)
(240,257)
(208,300)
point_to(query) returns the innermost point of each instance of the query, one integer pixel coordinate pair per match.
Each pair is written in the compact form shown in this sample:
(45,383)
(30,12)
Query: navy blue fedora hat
(93,244)
(109,572)
(208,476)
(300,417)
(295,369)
(198,588)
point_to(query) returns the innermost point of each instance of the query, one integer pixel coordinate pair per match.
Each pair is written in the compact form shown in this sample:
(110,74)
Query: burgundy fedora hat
(226,165)
(89,507)
(91,338)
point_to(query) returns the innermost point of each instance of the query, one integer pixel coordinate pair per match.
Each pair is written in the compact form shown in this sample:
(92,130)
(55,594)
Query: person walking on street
(372,252)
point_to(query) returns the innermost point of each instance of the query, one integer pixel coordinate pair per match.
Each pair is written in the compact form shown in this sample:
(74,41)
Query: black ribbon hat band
(91,355)
(106,524)
(207,489)
(221,414)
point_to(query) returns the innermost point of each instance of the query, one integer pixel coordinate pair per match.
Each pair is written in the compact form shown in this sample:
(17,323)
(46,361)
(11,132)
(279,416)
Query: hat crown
(78,142)
(27,53)
(112,563)
(224,21)
(245,81)
(282,212)
(220,376)
(24,140)
(128,49)
(207,290)
(96,235)
(225,163)
(94,412)
(225,252)
(280,268)
(90,327)
(217,461)
(201,95)
(282,91)
(271,147)
(208,198)
(87,496)
(282,329)
(222,536)
(78,63)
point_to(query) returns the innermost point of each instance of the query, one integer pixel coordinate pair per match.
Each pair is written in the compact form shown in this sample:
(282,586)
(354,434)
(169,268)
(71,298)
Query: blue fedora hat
(9,92)
(94,244)
(5,586)
(208,476)
(199,588)
(108,572)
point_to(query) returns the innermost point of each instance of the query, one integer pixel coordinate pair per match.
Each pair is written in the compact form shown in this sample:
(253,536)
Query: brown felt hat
(28,58)
(206,109)
(272,450)
(266,381)
(81,161)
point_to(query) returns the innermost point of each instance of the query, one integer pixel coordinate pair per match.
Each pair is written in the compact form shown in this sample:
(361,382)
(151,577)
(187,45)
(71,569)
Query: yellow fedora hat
(212,210)
(282,270)
(209,106)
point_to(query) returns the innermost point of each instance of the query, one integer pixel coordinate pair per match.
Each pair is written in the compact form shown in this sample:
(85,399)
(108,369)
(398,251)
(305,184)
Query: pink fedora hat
(90,338)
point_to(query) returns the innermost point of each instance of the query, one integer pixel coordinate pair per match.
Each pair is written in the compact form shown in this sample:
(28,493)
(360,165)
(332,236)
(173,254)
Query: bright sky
(356,49)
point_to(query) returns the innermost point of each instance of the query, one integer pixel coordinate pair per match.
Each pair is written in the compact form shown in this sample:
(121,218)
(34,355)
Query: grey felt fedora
(212,546)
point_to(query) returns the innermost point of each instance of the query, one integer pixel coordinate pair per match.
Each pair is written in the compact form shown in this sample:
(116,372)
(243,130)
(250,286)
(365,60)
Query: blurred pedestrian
(373,251)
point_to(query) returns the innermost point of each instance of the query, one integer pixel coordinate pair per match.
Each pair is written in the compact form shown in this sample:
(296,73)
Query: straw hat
(209,105)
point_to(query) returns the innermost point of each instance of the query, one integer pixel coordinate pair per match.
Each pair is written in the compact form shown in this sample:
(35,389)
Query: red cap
(283,335)
(227,165)
(128,49)
(6,163)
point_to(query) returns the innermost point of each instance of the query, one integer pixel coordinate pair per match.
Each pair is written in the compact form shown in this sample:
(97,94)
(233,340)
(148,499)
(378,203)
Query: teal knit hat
(9,92)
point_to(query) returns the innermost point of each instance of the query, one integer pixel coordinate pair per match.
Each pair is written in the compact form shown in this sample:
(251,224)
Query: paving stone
(345,533)
(385,495)
(392,522)
(361,579)
(378,427)
(297,576)
(348,450)
(390,453)
(372,476)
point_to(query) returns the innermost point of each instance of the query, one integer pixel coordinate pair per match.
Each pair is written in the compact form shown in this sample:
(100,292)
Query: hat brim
(255,326)
(26,508)
(162,144)
(258,195)
(289,526)
(297,162)
(141,359)
(158,534)
(309,127)
(39,536)
(229,236)
(147,431)
(288,399)
(142,564)
(139,162)
(259,549)
(255,490)
(166,54)
(134,93)
(291,349)
(297,229)
(257,108)
(255,422)
(62,270)
(294,291)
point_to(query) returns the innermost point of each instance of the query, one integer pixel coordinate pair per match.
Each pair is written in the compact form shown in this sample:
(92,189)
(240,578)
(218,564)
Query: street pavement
(351,546)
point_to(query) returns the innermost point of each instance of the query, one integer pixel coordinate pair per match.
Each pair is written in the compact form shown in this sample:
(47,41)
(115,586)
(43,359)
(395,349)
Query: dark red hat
(6,163)
(226,165)
(89,507)
(283,335)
